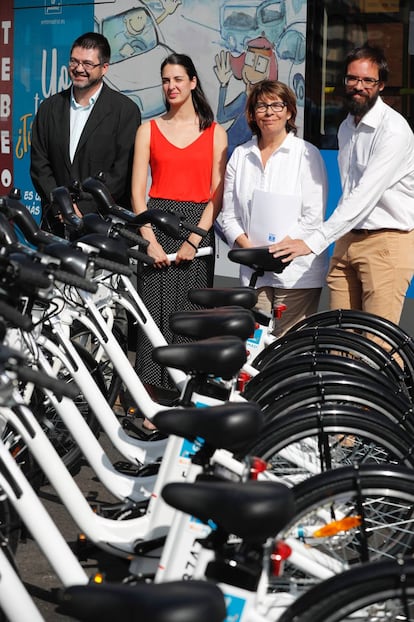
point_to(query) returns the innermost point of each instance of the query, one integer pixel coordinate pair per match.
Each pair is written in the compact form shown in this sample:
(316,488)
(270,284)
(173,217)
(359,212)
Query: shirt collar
(74,104)
(285,146)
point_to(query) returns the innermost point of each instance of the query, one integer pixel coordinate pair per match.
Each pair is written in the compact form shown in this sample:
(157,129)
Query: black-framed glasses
(261,107)
(366,82)
(86,64)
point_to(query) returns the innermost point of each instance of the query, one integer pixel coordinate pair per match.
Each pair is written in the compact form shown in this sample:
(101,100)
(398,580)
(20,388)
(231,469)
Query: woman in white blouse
(275,185)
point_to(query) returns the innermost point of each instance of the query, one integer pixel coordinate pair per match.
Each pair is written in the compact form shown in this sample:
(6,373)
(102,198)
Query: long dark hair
(201,105)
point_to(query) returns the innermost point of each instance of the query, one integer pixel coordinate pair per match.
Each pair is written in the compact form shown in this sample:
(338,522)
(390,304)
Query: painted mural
(233,43)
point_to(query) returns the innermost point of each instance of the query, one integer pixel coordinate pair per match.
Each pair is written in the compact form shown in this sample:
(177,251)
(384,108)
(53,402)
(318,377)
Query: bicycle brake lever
(62,198)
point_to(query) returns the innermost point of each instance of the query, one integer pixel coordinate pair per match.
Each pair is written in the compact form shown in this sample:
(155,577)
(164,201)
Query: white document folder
(272,216)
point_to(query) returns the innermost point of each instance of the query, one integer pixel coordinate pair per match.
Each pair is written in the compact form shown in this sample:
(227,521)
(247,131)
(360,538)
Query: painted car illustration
(243,20)
(291,47)
(137,50)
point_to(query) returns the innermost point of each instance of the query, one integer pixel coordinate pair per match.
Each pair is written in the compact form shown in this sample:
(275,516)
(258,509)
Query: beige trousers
(372,272)
(300,303)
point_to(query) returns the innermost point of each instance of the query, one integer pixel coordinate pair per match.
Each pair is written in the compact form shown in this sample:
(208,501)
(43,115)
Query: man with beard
(373,223)
(83,130)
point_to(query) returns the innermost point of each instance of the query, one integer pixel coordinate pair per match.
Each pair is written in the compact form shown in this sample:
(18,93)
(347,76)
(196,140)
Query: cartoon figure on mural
(256,64)
(137,47)
(137,34)
(278,43)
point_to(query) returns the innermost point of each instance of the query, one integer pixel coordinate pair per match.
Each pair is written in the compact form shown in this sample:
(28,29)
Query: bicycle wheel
(311,363)
(351,516)
(325,388)
(89,342)
(369,593)
(53,426)
(396,341)
(329,340)
(317,438)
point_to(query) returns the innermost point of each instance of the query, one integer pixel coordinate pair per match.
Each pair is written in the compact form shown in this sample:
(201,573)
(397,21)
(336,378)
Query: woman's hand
(156,251)
(186,252)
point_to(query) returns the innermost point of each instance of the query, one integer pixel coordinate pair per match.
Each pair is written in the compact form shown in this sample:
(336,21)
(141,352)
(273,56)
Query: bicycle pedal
(84,547)
(127,468)
(141,433)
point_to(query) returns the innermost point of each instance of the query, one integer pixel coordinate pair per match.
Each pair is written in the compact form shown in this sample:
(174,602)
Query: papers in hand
(272,216)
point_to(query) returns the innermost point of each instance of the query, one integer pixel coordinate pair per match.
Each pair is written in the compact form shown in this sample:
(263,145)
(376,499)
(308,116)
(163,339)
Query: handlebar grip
(76,281)
(59,387)
(17,319)
(141,257)
(112,266)
(194,228)
(33,275)
(133,237)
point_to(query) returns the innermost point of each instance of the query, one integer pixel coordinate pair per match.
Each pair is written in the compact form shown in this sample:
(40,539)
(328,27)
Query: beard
(361,107)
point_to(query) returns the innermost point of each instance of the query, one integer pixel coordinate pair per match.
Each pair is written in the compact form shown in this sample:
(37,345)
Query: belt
(371,231)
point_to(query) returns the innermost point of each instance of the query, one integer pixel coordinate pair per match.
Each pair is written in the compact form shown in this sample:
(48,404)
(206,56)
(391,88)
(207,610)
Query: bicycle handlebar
(169,222)
(112,266)
(22,271)
(61,197)
(201,252)
(141,257)
(17,319)
(76,281)
(59,387)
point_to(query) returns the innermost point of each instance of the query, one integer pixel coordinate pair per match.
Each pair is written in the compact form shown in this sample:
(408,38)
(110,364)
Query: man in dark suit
(86,129)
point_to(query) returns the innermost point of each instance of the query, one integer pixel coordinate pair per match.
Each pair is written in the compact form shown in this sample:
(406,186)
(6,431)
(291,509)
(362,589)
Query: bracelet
(193,245)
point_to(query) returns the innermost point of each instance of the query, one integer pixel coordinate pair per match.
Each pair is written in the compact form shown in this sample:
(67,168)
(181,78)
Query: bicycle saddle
(258,259)
(205,323)
(214,297)
(219,356)
(228,426)
(251,510)
(159,602)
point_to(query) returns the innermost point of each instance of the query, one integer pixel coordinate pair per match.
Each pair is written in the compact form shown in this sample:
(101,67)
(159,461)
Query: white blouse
(296,168)
(376,162)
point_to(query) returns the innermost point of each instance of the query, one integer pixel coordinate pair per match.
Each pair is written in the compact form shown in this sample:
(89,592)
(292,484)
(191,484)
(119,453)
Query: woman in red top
(184,151)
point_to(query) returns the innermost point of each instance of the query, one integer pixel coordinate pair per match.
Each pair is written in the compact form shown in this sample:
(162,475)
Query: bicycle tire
(325,339)
(327,388)
(385,587)
(400,342)
(312,440)
(311,363)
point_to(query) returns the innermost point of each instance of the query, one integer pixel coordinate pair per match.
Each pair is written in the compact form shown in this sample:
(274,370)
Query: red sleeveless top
(181,174)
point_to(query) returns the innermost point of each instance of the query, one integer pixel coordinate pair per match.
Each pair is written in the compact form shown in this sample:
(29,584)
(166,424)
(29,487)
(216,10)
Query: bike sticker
(189,448)
(234,606)
(257,335)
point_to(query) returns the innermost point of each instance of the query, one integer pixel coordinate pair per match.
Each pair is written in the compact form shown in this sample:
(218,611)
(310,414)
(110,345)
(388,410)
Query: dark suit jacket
(106,144)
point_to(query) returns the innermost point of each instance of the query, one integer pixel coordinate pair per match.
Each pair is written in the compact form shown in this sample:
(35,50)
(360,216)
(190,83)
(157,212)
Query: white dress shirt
(376,164)
(78,118)
(296,168)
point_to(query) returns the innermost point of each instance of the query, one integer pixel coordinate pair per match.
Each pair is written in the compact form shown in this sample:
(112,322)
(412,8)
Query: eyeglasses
(261,107)
(366,82)
(86,64)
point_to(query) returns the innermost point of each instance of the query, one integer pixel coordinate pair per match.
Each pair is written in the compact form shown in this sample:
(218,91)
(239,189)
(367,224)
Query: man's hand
(290,248)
